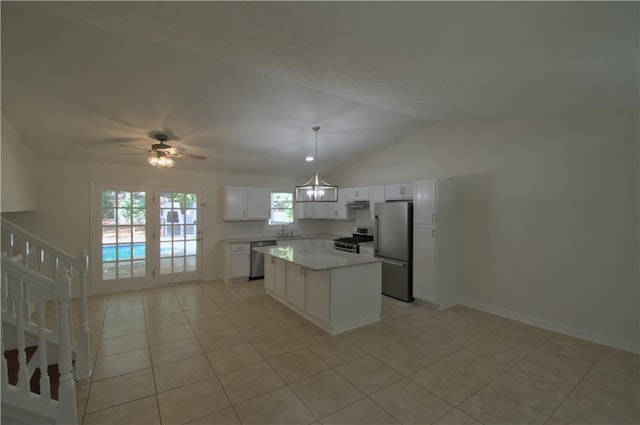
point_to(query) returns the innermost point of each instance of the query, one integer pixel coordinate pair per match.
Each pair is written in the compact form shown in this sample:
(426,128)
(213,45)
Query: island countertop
(316,258)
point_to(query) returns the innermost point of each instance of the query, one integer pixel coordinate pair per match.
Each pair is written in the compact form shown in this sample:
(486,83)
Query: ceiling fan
(161,155)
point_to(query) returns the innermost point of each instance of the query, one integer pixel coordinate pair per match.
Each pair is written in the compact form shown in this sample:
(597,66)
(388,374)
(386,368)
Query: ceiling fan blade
(111,141)
(135,147)
(133,153)
(188,156)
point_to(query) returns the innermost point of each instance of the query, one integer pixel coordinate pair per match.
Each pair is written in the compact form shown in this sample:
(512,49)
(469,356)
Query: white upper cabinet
(398,192)
(376,194)
(316,210)
(338,210)
(425,196)
(247,203)
(357,194)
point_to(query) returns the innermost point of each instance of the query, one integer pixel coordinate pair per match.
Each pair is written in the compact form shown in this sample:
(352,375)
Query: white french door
(143,236)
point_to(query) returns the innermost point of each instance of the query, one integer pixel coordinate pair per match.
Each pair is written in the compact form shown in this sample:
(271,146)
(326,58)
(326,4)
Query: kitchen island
(335,290)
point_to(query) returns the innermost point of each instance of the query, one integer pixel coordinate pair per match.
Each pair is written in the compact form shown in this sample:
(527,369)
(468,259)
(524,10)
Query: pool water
(124,251)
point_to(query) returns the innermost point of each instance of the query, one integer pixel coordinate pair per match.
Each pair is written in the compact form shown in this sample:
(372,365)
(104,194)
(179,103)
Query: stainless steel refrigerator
(393,243)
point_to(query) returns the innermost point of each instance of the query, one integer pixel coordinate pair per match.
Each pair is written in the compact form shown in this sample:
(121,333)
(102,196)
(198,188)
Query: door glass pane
(122,242)
(139,268)
(191,264)
(178,232)
(165,249)
(165,265)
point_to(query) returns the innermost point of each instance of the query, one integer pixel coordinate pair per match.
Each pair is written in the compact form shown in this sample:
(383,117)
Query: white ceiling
(243,82)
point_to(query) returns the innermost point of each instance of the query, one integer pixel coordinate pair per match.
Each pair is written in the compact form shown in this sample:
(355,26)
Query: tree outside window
(281,208)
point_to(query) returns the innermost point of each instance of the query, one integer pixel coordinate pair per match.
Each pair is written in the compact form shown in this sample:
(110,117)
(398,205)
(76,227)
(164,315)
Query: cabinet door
(424,202)
(338,210)
(376,194)
(360,194)
(240,264)
(318,294)
(235,203)
(398,192)
(281,276)
(258,203)
(270,273)
(320,210)
(424,272)
(305,210)
(295,285)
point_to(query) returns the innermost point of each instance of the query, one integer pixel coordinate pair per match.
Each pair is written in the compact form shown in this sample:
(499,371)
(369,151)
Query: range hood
(358,204)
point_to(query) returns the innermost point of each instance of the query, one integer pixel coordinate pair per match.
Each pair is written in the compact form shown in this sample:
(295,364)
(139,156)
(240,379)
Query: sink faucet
(284,231)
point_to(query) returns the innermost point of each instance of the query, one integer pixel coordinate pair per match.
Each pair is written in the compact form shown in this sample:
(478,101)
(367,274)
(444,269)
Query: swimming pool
(124,251)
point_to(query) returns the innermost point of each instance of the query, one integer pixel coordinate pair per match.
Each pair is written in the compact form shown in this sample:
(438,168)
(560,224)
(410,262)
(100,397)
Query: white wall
(19,170)
(63,216)
(548,216)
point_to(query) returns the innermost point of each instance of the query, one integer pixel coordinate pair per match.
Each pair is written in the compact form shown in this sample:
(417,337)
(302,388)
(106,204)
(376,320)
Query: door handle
(393,263)
(375,234)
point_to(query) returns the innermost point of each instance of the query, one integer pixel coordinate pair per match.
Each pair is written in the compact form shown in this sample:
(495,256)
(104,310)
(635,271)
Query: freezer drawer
(397,279)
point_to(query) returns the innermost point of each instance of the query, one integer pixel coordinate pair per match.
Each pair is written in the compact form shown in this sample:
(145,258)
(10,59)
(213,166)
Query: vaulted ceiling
(243,83)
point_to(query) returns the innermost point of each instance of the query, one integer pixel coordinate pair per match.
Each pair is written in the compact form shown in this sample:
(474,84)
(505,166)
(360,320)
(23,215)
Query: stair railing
(50,261)
(16,281)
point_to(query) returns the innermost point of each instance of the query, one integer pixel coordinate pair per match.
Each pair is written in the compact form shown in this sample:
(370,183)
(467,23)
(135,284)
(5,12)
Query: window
(281,208)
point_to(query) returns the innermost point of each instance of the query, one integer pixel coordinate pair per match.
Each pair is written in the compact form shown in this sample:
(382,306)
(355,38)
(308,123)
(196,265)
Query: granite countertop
(273,238)
(316,258)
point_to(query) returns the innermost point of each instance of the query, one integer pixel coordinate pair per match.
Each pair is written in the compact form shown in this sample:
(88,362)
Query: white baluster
(11,305)
(40,266)
(82,366)
(67,388)
(45,385)
(23,369)
(11,245)
(25,304)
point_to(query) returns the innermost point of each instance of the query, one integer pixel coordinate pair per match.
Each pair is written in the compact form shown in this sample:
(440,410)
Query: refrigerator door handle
(393,263)
(375,235)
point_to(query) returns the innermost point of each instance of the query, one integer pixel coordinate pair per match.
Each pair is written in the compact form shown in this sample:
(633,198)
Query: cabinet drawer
(240,247)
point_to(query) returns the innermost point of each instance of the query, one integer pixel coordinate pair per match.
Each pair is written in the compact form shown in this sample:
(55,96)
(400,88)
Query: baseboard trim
(431,304)
(556,327)
(212,277)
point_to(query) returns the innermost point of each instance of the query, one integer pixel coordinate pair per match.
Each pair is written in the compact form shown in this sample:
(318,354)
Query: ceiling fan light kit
(162,155)
(316,189)
(156,159)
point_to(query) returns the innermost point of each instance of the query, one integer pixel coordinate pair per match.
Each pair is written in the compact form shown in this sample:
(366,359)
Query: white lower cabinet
(318,295)
(270,273)
(237,262)
(336,300)
(280,272)
(295,283)
(424,263)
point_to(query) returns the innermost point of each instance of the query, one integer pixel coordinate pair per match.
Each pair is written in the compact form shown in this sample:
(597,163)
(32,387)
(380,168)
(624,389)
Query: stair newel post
(23,368)
(67,388)
(45,386)
(83,368)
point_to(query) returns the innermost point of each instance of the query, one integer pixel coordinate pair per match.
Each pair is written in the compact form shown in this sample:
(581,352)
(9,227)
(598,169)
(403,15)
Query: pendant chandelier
(316,189)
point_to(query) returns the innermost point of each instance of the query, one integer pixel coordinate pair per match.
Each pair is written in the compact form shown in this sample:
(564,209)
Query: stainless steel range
(351,244)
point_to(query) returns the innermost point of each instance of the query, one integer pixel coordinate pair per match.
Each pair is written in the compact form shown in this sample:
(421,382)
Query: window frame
(293,209)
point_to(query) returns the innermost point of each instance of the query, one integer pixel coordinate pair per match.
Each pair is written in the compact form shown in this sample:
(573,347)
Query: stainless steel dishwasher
(257,259)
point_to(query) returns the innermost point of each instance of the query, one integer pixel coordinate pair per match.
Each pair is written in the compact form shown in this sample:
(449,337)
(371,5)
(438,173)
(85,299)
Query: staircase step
(34,382)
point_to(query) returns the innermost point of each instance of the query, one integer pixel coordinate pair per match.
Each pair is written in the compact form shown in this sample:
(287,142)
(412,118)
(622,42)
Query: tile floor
(212,353)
